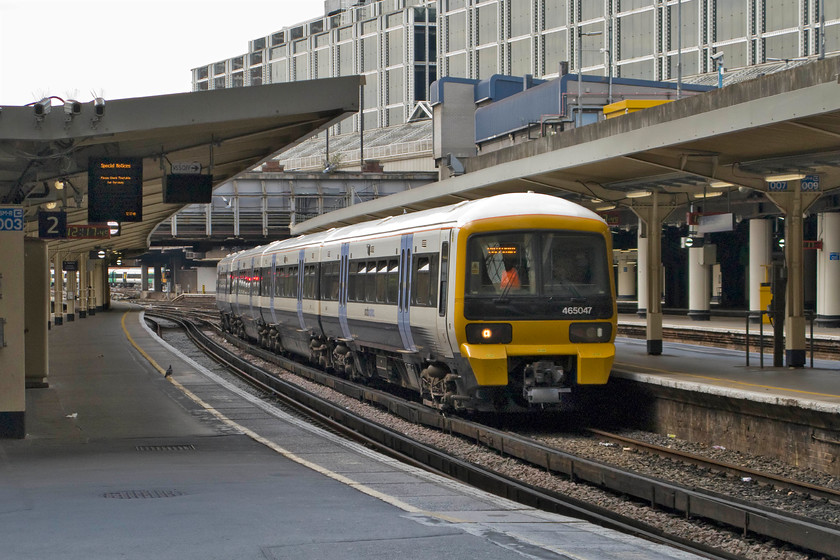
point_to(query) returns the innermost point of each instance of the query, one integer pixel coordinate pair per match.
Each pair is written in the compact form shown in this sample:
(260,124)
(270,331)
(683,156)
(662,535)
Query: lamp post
(580,34)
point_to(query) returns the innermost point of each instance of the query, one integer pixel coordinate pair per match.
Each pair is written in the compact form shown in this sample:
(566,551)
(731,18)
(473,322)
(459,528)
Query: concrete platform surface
(122,462)
(723,372)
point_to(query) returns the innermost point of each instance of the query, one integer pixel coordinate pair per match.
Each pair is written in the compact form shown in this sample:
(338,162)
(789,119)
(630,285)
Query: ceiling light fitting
(790,176)
(638,194)
(718,184)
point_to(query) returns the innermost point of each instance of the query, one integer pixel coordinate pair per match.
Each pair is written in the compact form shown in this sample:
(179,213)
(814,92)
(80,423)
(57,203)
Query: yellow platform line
(268,443)
(721,380)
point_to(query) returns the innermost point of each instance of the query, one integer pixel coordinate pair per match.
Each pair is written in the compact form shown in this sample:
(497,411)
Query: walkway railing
(751,315)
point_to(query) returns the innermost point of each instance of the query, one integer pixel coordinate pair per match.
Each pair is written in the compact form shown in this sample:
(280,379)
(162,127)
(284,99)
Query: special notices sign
(115,190)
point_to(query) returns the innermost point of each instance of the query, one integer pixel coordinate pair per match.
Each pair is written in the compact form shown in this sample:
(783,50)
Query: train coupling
(544,382)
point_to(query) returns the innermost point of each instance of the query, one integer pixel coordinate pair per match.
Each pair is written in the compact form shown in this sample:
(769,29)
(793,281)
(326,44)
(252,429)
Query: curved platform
(123,461)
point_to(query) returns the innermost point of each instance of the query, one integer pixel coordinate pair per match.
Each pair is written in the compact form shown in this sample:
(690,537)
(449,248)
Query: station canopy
(46,148)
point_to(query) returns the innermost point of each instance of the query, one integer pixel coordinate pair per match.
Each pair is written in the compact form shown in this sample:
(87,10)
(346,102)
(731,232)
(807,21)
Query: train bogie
(498,304)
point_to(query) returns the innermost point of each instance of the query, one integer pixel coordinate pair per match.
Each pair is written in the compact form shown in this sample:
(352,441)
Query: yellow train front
(534,310)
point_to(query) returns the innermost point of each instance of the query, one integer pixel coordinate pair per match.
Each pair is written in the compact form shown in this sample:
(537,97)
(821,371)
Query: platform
(121,461)
(724,372)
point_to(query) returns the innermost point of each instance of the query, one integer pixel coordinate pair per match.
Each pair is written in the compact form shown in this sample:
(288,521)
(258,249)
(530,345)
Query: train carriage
(503,303)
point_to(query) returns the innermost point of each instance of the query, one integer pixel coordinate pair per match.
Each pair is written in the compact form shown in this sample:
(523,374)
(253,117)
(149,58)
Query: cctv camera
(42,107)
(72,107)
(717,55)
(98,106)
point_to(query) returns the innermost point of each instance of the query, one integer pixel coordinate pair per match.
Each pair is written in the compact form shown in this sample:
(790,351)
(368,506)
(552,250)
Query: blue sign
(11,219)
(834,256)
(777,186)
(811,183)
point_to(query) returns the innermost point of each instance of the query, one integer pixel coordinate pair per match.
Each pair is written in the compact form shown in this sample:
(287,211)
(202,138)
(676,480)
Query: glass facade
(638,38)
(393,43)
(399,44)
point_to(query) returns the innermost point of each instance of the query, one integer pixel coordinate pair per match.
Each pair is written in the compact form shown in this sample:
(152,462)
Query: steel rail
(747,518)
(766,478)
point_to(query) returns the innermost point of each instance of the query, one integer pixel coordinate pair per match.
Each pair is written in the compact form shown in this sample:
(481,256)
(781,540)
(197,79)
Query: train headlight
(590,332)
(489,333)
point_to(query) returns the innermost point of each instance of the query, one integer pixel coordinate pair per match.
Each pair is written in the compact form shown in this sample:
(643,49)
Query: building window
(255,58)
(259,44)
(256,76)
(219,83)
(201,73)
(218,68)
(237,79)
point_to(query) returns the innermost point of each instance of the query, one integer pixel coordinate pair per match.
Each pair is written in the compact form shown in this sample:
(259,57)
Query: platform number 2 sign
(52,225)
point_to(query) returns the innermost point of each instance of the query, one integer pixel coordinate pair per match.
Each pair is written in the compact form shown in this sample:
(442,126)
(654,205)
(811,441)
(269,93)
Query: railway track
(748,519)
(779,482)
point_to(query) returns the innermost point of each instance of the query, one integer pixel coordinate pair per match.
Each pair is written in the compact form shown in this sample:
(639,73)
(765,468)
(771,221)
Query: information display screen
(188,189)
(115,190)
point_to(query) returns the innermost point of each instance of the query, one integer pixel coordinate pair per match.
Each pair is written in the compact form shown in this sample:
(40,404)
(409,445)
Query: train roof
(455,215)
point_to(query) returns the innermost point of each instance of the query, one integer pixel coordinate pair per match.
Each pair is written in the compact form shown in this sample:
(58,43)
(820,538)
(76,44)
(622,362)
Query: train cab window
(392,282)
(500,264)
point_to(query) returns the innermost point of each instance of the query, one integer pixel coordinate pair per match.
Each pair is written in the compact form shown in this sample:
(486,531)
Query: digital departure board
(185,188)
(115,190)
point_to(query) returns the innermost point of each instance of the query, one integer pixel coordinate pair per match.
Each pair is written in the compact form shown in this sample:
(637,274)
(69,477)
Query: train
(499,304)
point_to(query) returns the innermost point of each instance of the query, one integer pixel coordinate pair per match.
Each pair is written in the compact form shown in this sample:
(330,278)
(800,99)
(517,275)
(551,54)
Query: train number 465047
(577,310)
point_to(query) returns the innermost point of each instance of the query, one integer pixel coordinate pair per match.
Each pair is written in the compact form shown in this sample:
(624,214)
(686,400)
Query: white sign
(711,223)
(11,219)
(186,167)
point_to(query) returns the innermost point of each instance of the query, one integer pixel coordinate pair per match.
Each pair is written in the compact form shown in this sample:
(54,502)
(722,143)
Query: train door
(238,280)
(253,285)
(444,287)
(301,266)
(272,290)
(404,296)
(343,274)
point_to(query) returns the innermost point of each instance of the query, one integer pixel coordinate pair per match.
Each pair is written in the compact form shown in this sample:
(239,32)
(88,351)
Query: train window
(381,278)
(392,282)
(370,282)
(266,279)
(292,282)
(444,277)
(357,282)
(329,281)
(423,282)
(310,281)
